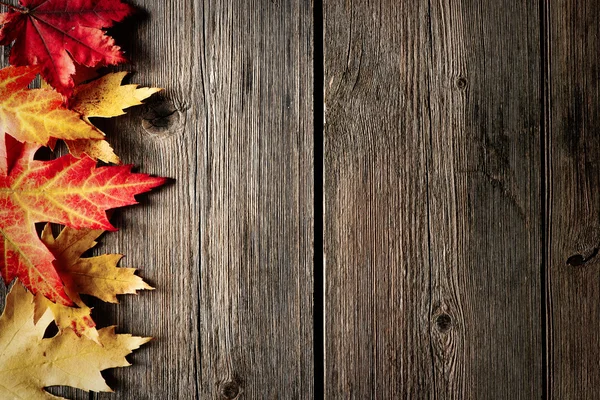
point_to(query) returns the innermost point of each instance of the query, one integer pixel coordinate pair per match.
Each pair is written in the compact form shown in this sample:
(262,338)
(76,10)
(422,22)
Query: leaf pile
(64,42)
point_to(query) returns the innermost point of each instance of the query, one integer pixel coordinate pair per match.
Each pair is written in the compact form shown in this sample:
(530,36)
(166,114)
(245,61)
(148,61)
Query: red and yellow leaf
(56,33)
(10,148)
(36,115)
(67,191)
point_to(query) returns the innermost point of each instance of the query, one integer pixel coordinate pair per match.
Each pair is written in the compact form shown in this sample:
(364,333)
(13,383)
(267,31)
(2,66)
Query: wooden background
(383,199)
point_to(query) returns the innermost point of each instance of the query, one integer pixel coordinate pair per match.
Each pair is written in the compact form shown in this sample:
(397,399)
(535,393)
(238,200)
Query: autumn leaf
(56,33)
(36,115)
(94,276)
(67,191)
(30,363)
(104,97)
(96,149)
(10,148)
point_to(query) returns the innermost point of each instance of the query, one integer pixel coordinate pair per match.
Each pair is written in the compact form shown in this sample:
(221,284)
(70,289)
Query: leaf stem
(10,6)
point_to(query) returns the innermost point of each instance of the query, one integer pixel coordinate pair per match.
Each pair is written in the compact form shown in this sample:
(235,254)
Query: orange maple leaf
(68,191)
(104,97)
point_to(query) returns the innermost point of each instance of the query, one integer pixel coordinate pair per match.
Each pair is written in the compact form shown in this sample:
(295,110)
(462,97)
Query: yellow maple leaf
(96,276)
(104,97)
(30,363)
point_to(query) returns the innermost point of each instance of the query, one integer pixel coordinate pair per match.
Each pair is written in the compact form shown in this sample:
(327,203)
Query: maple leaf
(67,191)
(30,363)
(95,276)
(36,115)
(104,97)
(55,33)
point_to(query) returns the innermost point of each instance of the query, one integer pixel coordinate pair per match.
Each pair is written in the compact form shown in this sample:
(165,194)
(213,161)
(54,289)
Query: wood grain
(228,243)
(432,200)
(233,263)
(573,176)
(375,191)
(485,199)
(460,200)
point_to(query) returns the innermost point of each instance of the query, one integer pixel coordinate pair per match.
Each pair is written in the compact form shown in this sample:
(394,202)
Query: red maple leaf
(68,191)
(54,33)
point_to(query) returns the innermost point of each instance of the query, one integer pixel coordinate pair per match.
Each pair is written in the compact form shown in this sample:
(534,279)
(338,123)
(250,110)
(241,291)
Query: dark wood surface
(484,199)
(461,218)
(432,193)
(573,175)
(377,308)
(228,244)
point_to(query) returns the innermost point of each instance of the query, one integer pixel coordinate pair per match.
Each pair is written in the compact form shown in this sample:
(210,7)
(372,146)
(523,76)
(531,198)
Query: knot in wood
(443,322)
(586,246)
(229,390)
(461,83)
(163,118)
(577,260)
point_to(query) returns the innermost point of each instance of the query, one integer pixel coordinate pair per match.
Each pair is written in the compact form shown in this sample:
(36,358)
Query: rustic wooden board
(485,199)
(233,262)
(573,173)
(375,191)
(229,243)
(432,200)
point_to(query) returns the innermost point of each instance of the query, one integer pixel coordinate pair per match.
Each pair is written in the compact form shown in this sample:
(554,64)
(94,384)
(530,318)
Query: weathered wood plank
(573,173)
(257,213)
(228,244)
(432,200)
(377,338)
(233,260)
(162,235)
(485,199)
